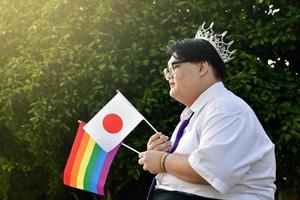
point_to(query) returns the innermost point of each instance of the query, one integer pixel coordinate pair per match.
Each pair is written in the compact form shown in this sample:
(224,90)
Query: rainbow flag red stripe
(88,164)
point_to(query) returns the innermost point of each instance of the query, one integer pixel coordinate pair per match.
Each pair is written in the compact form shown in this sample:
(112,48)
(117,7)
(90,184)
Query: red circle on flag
(112,123)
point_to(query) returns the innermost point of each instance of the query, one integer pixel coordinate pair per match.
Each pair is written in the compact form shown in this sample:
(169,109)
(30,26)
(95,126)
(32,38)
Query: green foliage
(62,60)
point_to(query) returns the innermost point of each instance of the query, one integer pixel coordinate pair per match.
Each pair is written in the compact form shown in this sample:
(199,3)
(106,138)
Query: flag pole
(132,149)
(150,125)
(138,112)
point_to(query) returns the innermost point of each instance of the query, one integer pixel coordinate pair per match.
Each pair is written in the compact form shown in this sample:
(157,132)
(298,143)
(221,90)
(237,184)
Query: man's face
(184,78)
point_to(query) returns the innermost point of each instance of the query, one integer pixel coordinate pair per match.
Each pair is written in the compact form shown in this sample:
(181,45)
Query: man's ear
(203,67)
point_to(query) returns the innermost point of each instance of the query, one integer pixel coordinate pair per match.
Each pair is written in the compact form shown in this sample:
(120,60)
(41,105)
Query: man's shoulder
(228,103)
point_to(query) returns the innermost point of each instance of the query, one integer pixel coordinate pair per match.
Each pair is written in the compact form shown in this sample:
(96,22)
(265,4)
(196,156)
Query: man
(219,149)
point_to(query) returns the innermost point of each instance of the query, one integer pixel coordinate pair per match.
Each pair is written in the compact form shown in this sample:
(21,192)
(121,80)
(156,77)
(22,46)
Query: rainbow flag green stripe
(92,169)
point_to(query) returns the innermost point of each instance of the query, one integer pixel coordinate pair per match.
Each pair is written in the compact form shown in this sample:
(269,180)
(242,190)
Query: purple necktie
(180,132)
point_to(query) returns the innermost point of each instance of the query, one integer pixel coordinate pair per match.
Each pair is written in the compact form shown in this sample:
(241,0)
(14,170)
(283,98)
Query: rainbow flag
(88,164)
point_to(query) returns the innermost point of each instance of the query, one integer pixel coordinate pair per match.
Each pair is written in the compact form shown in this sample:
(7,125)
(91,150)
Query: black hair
(196,50)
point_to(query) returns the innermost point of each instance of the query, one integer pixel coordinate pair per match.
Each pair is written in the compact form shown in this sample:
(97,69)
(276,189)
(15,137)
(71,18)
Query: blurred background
(62,61)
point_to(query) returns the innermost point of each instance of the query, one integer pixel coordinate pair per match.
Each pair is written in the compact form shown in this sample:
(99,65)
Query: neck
(194,95)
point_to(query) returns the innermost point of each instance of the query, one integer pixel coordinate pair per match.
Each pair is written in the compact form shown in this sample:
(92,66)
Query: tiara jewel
(217,41)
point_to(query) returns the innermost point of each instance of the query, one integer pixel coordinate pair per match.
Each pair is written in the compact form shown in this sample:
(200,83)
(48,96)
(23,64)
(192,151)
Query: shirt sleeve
(226,151)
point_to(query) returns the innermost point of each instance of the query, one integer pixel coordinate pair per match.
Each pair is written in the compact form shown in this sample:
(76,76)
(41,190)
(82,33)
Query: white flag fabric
(113,122)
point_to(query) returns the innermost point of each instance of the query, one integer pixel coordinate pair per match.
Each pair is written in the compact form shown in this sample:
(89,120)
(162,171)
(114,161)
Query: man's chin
(172,93)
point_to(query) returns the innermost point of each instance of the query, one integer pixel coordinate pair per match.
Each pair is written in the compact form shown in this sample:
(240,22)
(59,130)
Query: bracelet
(163,162)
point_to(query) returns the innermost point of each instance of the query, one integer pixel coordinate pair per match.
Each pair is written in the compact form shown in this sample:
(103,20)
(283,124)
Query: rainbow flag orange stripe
(88,164)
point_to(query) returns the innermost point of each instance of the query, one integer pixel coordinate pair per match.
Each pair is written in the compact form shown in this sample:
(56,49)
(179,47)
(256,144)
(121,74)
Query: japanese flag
(113,122)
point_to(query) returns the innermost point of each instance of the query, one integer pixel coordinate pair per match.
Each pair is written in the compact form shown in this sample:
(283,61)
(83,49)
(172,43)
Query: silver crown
(217,41)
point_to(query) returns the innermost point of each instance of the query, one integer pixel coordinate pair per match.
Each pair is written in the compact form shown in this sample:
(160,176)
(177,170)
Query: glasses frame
(170,70)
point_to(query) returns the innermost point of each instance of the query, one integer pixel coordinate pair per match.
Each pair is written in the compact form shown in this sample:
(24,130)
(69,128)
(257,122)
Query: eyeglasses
(170,70)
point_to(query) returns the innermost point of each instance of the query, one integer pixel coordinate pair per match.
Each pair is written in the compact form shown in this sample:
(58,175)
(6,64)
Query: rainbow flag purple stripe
(88,164)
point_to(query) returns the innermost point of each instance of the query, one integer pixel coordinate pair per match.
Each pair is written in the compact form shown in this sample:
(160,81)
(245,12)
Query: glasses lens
(171,69)
(166,73)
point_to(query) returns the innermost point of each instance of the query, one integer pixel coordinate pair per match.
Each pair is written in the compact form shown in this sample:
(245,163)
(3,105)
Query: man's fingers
(141,161)
(164,146)
(154,137)
(156,140)
(164,138)
(155,144)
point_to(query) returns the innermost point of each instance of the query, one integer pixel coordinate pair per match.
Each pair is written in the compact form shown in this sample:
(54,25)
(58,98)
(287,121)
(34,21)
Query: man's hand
(175,164)
(151,161)
(159,142)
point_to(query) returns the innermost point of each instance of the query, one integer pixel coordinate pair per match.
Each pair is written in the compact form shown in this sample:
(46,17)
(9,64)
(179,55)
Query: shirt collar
(206,96)
(186,114)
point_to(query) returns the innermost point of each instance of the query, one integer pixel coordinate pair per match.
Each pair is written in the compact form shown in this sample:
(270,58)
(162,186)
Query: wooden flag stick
(150,125)
(140,114)
(132,149)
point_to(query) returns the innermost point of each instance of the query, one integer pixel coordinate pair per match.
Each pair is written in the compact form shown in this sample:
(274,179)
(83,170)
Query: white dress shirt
(227,146)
